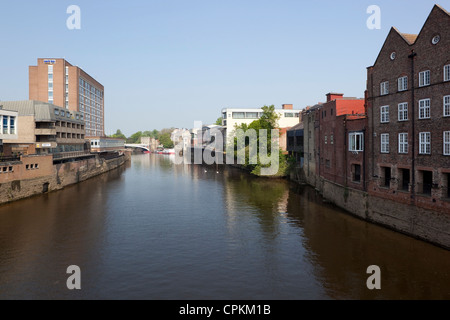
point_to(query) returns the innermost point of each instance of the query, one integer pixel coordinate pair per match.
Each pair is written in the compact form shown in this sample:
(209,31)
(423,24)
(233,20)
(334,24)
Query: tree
(268,121)
(165,140)
(219,121)
(135,138)
(119,135)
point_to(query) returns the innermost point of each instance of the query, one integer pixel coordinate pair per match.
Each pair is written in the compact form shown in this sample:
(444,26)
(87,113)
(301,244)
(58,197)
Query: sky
(168,63)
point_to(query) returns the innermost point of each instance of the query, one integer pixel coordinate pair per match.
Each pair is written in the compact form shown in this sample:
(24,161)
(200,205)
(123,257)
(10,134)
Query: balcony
(45,132)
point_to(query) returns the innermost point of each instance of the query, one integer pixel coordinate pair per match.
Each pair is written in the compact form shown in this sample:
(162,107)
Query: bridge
(138,146)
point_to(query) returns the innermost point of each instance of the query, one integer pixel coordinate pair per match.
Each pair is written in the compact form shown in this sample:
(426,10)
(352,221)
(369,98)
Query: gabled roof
(410,39)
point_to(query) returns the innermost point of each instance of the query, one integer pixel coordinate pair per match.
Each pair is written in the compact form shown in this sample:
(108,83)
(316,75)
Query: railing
(73,154)
(9,159)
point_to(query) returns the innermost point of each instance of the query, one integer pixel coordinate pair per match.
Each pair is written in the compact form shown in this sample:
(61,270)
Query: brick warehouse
(408,107)
(339,139)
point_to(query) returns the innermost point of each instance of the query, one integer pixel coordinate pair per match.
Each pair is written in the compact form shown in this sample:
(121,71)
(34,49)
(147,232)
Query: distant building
(181,138)
(233,117)
(295,143)
(58,82)
(8,130)
(105,144)
(408,105)
(45,128)
(152,143)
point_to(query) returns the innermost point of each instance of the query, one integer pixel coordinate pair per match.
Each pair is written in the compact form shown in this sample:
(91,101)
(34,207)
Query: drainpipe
(413,116)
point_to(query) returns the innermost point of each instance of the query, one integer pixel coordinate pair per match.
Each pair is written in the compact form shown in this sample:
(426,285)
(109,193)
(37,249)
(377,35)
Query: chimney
(333,96)
(288,106)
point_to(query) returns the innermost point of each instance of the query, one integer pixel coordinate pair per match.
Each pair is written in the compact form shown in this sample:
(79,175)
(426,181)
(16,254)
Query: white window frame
(384,142)
(424,78)
(403,83)
(425,143)
(447,72)
(384,88)
(403,145)
(446,142)
(403,111)
(446,103)
(384,114)
(425,109)
(352,142)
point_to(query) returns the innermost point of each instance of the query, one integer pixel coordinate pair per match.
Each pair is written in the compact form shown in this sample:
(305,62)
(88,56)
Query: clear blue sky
(169,63)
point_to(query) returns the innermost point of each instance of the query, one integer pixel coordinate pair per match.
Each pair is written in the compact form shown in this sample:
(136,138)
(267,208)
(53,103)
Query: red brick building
(58,82)
(408,107)
(340,140)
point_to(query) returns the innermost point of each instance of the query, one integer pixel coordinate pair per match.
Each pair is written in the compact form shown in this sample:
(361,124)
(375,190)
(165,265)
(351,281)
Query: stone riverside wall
(60,176)
(428,225)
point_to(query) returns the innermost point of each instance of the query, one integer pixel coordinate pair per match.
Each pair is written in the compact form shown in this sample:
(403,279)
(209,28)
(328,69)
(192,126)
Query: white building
(8,127)
(233,117)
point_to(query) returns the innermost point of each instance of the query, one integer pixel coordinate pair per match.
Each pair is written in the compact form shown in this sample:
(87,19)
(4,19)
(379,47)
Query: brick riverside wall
(63,175)
(428,225)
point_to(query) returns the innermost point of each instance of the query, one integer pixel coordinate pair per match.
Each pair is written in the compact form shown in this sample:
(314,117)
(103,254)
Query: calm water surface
(154,230)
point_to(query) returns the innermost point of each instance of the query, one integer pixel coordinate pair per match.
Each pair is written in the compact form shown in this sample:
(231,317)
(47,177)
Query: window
(237,115)
(424,109)
(403,143)
(384,114)
(386,177)
(12,125)
(332,139)
(405,177)
(5,125)
(289,115)
(403,111)
(356,142)
(385,143)
(447,106)
(447,143)
(425,143)
(447,72)
(384,88)
(251,115)
(403,84)
(356,173)
(425,182)
(424,78)
(326,139)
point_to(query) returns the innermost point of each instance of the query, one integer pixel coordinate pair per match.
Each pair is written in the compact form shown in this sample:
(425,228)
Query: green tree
(268,121)
(135,138)
(119,135)
(165,140)
(219,121)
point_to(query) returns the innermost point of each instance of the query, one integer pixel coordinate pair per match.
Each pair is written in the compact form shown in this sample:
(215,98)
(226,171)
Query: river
(156,230)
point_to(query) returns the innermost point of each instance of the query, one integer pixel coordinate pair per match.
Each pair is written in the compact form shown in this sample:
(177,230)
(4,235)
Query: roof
(410,38)
(299,126)
(41,111)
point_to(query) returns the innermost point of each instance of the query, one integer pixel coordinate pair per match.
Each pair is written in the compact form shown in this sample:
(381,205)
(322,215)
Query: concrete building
(58,82)
(46,128)
(8,130)
(408,103)
(233,117)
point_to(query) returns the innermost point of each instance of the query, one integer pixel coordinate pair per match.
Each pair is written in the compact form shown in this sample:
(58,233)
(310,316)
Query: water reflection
(156,230)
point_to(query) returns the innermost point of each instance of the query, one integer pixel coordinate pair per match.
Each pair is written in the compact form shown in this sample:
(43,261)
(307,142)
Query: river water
(156,230)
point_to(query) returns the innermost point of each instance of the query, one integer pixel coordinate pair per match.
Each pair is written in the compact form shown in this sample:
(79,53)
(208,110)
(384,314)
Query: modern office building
(58,82)
(45,128)
(408,105)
